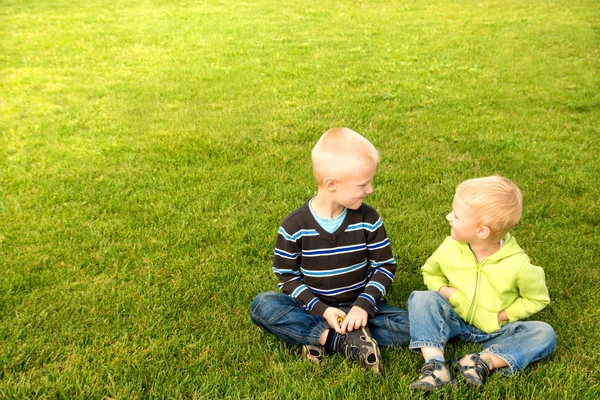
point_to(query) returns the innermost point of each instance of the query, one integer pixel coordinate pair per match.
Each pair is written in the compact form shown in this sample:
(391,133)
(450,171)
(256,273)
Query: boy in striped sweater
(334,263)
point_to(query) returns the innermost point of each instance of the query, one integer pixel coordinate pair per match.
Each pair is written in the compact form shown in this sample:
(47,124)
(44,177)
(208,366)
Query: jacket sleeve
(287,260)
(433,276)
(533,293)
(382,268)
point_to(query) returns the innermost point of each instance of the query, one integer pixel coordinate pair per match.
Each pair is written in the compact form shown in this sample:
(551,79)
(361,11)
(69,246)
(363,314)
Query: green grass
(149,150)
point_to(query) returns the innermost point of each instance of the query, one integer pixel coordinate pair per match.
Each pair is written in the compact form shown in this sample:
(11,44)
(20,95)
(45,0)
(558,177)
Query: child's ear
(483,232)
(330,184)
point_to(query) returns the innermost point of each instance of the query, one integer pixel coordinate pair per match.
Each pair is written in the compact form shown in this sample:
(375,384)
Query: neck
(484,249)
(324,207)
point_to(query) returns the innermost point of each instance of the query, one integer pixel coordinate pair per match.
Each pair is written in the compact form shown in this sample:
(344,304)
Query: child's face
(351,191)
(462,221)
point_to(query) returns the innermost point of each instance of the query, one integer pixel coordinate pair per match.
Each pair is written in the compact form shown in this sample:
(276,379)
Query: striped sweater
(354,264)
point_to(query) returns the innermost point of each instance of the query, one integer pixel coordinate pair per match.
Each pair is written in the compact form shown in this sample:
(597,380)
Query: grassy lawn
(149,150)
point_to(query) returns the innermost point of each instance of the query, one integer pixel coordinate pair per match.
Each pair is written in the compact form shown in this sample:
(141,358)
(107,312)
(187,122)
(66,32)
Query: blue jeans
(433,322)
(284,317)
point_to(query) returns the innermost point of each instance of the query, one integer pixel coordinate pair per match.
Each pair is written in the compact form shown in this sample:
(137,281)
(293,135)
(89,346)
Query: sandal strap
(480,368)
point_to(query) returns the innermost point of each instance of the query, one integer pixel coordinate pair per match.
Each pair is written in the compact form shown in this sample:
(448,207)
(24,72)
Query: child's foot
(474,369)
(312,352)
(359,345)
(434,375)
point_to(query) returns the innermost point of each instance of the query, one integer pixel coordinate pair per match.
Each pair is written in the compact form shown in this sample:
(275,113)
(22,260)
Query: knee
(257,301)
(266,304)
(256,309)
(546,334)
(540,335)
(421,298)
(260,300)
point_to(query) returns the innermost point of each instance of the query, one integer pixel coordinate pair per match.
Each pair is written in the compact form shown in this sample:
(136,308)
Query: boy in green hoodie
(481,285)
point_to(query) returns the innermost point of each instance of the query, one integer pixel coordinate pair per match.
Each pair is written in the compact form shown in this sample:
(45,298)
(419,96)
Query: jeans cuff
(417,345)
(512,365)
(315,334)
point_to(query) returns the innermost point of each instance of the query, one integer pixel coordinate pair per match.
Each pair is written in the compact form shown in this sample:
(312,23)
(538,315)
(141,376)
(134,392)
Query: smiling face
(463,222)
(344,164)
(351,190)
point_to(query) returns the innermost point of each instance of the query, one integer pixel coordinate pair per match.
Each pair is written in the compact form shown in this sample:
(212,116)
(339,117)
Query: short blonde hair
(339,151)
(496,202)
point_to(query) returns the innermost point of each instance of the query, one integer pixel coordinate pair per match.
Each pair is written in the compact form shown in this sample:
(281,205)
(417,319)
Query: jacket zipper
(470,314)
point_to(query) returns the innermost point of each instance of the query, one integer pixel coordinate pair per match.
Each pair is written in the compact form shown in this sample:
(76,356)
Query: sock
(332,343)
(438,358)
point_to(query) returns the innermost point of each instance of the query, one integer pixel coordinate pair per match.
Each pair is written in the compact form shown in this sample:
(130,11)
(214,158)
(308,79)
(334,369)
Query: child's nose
(449,217)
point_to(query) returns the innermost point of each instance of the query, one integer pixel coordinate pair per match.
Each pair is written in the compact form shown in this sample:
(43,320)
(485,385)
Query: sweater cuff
(318,308)
(366,305)
(514,312)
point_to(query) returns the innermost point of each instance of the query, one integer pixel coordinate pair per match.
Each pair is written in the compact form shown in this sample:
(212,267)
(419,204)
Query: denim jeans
(433,322)
(284,317)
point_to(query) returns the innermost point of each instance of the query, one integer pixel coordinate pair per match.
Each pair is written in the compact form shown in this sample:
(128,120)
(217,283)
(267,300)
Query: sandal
(359,345)
(474,369)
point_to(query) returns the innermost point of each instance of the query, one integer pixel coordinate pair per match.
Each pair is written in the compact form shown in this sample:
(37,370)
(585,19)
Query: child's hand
(356,318)
(447,291)
(334,317)
(502,317)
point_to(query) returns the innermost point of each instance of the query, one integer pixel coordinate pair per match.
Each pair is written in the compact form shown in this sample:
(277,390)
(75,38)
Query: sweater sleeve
(433,276)
(286,267)
(381,270)
(533,293)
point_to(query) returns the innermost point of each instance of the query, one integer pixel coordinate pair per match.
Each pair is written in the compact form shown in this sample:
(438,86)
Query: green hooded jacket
(506,280)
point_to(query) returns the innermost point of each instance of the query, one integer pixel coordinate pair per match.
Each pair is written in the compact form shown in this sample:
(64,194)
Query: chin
(355,206)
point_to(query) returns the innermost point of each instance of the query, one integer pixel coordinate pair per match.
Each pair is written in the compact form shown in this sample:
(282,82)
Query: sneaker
(312,352)
(474,369)
(435,374)
(359,345)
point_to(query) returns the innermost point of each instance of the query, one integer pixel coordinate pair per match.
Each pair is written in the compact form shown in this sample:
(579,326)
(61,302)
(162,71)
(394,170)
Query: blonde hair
(496,202)
(339,151)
